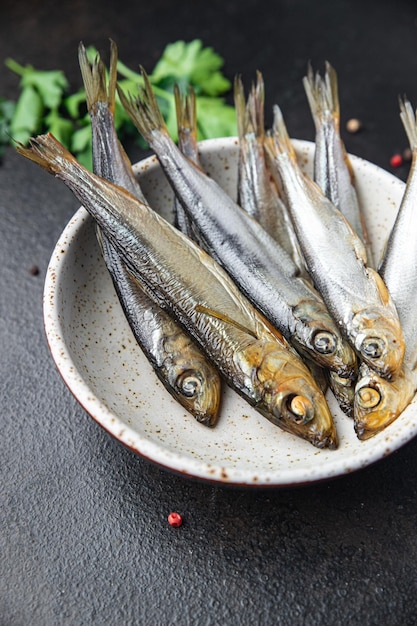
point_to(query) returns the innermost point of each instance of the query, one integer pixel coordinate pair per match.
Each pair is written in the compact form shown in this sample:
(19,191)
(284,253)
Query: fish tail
(332,89)
(250,115)
(322,93)
(186,110)
(111,92)
(144,110)
(256,103)
(409,120)
(240,106)
(95,81)
(49,153)
(278,141)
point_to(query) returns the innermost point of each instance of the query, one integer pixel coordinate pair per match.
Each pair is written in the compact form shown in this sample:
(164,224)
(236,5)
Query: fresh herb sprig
(45,103)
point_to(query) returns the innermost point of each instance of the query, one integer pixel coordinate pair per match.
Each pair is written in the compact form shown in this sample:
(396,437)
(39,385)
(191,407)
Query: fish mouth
(364,431)
(320,435)
(331,442)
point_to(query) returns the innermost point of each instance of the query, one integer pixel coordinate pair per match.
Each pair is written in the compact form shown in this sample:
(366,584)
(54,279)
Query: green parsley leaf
(215,118)
(193,64)
(45,105)
(74,102)
(49,84)
(60,127)
(27,117)
(81,145)
(7,108)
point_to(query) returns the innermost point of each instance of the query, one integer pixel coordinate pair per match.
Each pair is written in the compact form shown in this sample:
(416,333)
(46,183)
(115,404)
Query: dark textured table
(84,537)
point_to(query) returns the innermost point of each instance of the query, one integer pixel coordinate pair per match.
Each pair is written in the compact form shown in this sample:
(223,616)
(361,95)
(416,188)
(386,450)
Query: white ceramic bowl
(96,354)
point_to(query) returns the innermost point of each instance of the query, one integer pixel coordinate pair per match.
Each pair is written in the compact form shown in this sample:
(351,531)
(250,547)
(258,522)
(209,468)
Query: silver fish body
(261,268)
(179,364)
(177,361)
(187,143)
(333,171)
(254,358)
(398,266)
(109,158)
(378,402)
(258,194)
(354,293)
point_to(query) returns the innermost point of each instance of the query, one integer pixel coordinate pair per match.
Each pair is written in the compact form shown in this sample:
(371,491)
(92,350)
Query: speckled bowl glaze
(97,356)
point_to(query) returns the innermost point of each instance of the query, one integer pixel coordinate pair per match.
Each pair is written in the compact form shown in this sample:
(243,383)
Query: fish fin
(332,91)
(48,152)
(111,90)
(382,288)
(280,140)
(322,93)
(186,110)
(95,81)
(312,89)
(332,96)
(99,236)
(185,106)
(250,115)
(144,110)
(323,98)
(256,105)
(200,308)
(240,106)
(409,120)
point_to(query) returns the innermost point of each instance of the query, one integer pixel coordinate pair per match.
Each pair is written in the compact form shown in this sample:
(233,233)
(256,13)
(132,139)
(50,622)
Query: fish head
(292,400)
(379,341)
(317,336)
(198,390)
(378,402)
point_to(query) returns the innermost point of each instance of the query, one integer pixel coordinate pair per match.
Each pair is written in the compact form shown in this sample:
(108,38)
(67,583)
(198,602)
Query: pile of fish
(275,294)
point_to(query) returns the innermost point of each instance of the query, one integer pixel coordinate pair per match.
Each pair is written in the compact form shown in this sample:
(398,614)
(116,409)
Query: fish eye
(324,342)
(298,409)
(372,347)
(189,383)
(368,397)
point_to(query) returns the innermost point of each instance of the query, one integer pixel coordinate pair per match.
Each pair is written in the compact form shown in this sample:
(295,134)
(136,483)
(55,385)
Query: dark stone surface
(84,537)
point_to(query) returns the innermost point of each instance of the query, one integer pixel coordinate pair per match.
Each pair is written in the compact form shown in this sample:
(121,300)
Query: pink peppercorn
(396,160)
(175,520)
